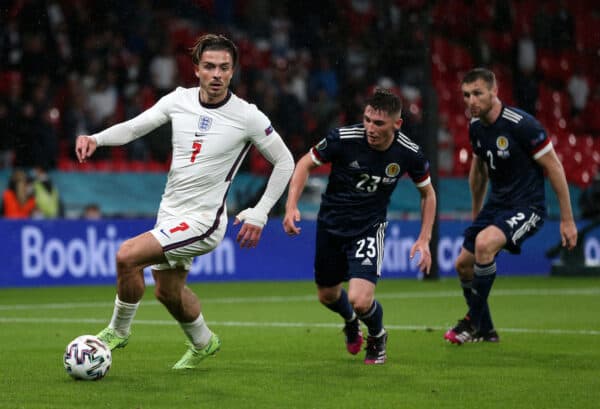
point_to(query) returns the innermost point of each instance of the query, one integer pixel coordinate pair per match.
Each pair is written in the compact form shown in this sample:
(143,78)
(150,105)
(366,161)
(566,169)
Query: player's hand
(254,221)
(289,222)
(568,234)
(85,147)
(425,260)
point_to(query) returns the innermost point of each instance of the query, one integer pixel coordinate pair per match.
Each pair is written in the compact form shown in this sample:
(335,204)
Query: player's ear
(398,123)
(197,71)
(494,90)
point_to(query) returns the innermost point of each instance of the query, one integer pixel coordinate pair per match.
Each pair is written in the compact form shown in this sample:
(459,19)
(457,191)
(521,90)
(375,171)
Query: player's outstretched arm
(85,146)
(299,178)
(558,181)
(421,246)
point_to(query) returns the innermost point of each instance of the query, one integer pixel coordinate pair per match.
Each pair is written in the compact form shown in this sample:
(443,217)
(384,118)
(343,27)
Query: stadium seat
(556,67)
(591,116)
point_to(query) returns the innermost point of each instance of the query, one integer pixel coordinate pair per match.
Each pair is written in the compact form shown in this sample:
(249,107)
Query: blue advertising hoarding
(76,252)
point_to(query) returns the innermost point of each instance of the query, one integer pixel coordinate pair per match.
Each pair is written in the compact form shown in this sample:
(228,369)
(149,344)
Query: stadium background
(75,66)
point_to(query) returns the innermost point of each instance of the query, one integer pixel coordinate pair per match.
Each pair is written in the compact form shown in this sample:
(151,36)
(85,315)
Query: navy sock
(485,274)
(342,306)
(486,324)
(467,287)
(373,319)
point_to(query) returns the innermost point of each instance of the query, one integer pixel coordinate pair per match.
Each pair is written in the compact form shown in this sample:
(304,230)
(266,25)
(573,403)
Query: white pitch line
(593,291)
(255,324)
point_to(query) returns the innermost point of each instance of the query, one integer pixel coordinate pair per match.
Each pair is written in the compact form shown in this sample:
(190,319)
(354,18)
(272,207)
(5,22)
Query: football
(87,358)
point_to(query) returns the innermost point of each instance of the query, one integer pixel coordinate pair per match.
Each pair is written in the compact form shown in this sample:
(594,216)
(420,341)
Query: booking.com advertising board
(68,252)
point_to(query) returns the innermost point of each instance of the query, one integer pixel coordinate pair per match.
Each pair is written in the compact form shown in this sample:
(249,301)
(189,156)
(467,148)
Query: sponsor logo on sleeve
(321,145)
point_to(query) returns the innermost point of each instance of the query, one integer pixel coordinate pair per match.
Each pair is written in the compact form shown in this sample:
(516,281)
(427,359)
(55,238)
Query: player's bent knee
(484,250)
(124,257)
(464,269)
(361,304)
(328,296)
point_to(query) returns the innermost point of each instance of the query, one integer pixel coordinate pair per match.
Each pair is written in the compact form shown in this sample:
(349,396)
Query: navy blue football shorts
(340,258)
(517,224)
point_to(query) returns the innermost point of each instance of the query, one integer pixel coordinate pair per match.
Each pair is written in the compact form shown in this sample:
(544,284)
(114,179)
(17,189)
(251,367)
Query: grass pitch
(281,349)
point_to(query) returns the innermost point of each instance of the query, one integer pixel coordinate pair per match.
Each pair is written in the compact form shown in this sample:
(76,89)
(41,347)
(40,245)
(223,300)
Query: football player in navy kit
(512,150)
(367,160)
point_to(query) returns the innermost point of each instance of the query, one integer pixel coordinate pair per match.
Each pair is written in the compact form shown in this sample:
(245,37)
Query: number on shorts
(182,227)
(368,245)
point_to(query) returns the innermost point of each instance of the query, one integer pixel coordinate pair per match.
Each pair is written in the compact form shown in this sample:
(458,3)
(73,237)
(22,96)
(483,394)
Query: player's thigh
(331,266)
(489,241)
(141,250)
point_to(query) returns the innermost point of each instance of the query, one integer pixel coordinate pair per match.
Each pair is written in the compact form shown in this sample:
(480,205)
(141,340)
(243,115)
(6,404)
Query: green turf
(281,349)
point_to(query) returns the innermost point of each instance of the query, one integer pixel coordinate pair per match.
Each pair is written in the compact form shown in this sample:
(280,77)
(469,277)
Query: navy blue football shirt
(509,147)
(362,179)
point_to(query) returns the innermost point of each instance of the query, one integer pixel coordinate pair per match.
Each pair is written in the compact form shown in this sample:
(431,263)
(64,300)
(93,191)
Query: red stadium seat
(556,67)
(591,116)
(462,161)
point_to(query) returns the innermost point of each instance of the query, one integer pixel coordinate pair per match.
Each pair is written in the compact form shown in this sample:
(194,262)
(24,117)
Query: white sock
(122,317)
(197,332)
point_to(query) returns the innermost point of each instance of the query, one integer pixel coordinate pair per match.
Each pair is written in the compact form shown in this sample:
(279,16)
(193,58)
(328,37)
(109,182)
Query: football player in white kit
(213,130)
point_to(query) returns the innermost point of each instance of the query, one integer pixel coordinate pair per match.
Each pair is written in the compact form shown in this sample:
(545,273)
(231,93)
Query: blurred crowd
(70,67)
(74,66)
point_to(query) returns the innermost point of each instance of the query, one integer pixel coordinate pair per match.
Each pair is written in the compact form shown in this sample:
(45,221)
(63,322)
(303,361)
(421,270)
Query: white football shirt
(209,145)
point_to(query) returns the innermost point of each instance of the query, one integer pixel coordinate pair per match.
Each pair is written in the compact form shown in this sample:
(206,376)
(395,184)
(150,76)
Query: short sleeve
(419,169)
(533,136)
(327,148)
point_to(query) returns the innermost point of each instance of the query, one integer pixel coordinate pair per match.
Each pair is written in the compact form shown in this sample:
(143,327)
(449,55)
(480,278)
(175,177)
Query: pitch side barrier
(76,252)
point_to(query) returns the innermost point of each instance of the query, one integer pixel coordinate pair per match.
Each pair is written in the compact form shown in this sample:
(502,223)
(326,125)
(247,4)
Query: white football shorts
(183,238)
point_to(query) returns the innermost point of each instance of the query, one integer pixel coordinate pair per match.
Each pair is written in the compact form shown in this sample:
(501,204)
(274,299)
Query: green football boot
(111,339)
(194,356)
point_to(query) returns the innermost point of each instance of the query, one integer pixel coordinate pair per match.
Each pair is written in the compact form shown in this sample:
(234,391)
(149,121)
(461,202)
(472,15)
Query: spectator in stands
(163,69)
(367,161)
(526,51)
(11,44)
(542,26)
(578,88)
(513,151)
(563,27)
(6,136)
(47,196)
(76,121)
(18,201)
(102,102)
(192,217)
(92,211)
(526,86)
(35,138)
